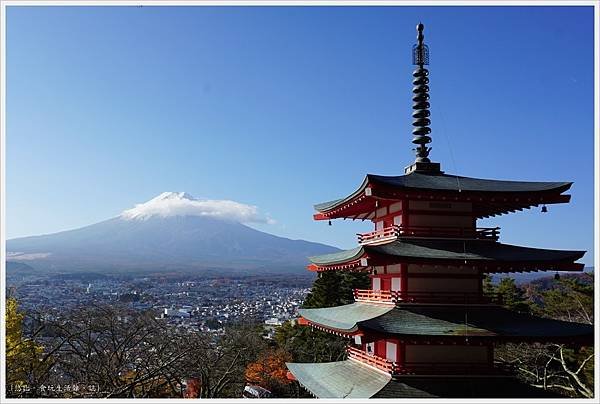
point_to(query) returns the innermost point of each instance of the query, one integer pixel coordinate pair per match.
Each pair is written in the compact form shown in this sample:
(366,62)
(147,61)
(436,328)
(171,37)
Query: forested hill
(526,277)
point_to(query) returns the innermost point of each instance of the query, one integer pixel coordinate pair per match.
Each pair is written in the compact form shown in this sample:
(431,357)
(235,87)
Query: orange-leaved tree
(193,387)
(269,371)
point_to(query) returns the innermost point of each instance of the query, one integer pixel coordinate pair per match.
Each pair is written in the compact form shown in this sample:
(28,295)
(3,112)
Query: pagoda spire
(420,107)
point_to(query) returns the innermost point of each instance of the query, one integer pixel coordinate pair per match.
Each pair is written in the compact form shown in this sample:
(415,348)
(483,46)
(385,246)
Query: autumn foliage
(192,388)
(23,355)
(269,371)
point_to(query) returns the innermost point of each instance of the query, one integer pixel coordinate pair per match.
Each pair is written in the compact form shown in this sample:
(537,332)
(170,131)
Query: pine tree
(335,288)
(513,297)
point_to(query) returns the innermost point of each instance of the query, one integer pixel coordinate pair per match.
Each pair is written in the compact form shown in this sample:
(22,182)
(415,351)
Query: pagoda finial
(420,107)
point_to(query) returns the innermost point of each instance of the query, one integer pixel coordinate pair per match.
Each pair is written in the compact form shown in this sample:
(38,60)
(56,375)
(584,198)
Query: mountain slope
(184,240)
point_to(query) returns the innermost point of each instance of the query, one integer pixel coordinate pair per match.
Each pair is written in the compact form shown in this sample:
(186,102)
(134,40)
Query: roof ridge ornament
(420,107)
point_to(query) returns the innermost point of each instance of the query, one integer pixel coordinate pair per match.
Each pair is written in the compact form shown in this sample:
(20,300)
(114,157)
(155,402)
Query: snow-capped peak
(169,204)
(172,196)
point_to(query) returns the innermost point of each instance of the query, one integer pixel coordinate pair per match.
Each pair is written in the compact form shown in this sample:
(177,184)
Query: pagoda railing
(372,360)
(408,368)
(394,296)
(379,296)
(379,236)
(397,231)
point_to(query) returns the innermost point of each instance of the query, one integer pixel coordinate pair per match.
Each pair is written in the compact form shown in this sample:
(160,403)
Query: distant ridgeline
(532,276)
(14,267)
(172,232)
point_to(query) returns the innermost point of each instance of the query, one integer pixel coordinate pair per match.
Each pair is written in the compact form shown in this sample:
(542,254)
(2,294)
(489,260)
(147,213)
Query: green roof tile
(345,317)
(344,379)
(443,249)
(447,182)
(460,320)
(340,256)
(351,379)
(444,320)
(461,387)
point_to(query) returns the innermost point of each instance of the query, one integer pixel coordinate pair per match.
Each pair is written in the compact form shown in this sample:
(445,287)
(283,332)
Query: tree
(556,367)
(24,357)
(124,353)
(193,388)
(269,371)
(305,344)
(220,368)
(569,299)
(551,367)
(335,288)
(513,297)
(488,286)
(330,289)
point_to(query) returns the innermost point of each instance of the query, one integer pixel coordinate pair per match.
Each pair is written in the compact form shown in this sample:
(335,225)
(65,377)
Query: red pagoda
(426,328)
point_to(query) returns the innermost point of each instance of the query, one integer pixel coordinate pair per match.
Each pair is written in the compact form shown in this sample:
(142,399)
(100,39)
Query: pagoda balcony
(421,368)
(375,296)
(394,232)
(395,297)
(372,360)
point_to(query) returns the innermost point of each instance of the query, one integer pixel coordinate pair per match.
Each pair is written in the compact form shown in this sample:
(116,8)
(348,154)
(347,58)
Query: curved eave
(330,205)
(476,321)
(448,182)
(347,333)
(343,379)
(352,379)
(357,205)
(461,387)
(486,255)
(492,197)
(446,322)
(340,258)
(343,319)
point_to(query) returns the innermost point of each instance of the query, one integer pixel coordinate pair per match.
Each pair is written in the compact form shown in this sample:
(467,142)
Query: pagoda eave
(486,256)
(483,266)
(489,197)
(351,266)
(336,331)
(361,207)
(414,323)
(342,319)
(353,379)
(343,379)
(485,206)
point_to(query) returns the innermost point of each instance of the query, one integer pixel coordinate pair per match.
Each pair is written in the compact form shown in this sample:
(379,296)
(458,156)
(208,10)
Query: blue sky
(284,107)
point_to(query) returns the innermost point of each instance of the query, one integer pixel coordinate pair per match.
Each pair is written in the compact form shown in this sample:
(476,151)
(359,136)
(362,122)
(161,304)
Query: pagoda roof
(343,379)
(352,379)
(447,321)
(344,318)
(447,182)
(461,387)
(485,253)
(524,194)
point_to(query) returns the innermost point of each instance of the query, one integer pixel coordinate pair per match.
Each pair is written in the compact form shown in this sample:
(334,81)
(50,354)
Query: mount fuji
(171,232)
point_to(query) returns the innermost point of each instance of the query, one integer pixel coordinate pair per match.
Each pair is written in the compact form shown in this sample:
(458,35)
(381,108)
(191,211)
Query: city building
(180,313)
(426,328)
